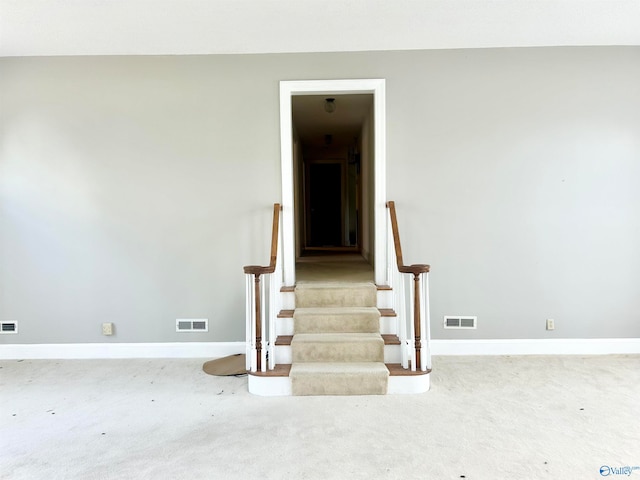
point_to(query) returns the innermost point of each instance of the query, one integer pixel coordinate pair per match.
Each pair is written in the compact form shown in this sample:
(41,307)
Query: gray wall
(134,189)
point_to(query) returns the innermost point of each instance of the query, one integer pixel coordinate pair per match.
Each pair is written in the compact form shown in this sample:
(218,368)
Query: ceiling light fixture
(329,105)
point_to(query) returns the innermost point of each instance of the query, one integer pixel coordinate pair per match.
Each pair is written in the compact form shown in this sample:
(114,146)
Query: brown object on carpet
(227,366)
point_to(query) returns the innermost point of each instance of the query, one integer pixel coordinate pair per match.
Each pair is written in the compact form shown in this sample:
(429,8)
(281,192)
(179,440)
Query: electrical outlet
(107,328)
(551,325)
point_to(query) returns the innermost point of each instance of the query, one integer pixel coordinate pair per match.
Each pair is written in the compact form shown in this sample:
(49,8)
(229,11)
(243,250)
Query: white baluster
(402,316)
(273,309)
(248,317)
(253,323)
(423,326)
(427,322)
(263,323)
(412,329)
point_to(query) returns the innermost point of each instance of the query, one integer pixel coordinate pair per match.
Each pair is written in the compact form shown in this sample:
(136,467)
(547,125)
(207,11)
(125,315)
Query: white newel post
(247,326)
(410,321)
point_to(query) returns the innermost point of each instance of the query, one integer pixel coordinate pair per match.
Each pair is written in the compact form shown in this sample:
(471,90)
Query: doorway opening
(332,160)
(333,173)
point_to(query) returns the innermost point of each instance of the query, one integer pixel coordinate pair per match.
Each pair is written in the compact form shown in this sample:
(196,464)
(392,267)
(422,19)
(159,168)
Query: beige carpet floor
(339,267)
(485,418)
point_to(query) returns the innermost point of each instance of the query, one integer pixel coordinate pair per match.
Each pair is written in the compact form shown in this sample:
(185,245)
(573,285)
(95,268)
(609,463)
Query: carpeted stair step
(337,320)
(337,347)
(335,295)
(353,378)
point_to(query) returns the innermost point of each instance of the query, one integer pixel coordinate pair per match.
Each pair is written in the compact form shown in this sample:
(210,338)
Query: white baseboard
(567,346)
(121,350)
(559,346)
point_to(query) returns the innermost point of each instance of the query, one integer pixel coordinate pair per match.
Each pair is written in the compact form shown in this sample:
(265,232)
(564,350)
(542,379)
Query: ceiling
(312,123)
(180,27)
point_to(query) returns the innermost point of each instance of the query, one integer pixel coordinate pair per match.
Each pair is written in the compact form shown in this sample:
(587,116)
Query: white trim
(408,384)
(284,354)
(73,351)
(559,346)
(269,386)
(333,87)
(286,167)
(380,183)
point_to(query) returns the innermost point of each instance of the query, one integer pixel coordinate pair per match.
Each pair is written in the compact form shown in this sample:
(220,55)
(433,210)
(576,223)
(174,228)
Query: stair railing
(414,300)
(261,305)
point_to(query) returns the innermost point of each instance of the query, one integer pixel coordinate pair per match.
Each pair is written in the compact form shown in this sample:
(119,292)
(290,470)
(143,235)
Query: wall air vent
(458,321)
(192,325)
(8,328)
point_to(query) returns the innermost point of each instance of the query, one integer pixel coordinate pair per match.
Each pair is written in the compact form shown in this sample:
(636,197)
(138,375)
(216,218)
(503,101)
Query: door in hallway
(324,204)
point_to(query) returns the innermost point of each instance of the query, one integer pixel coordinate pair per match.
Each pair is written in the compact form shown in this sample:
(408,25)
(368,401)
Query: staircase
(338,333)
(337,348)
(336,341)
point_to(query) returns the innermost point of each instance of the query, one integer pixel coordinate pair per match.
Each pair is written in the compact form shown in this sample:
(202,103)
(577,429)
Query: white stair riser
(283,354)
(269,386)
(392,354)
(288,300)
(385,299)
(409,384)
(388,325)
(281,386)
(284,326)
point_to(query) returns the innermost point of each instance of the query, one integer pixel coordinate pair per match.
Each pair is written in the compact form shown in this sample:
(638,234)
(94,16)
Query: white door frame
(333,87)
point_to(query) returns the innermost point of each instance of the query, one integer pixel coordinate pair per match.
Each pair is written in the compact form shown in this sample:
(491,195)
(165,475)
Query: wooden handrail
(258,270)
(402,268)
(416,270)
